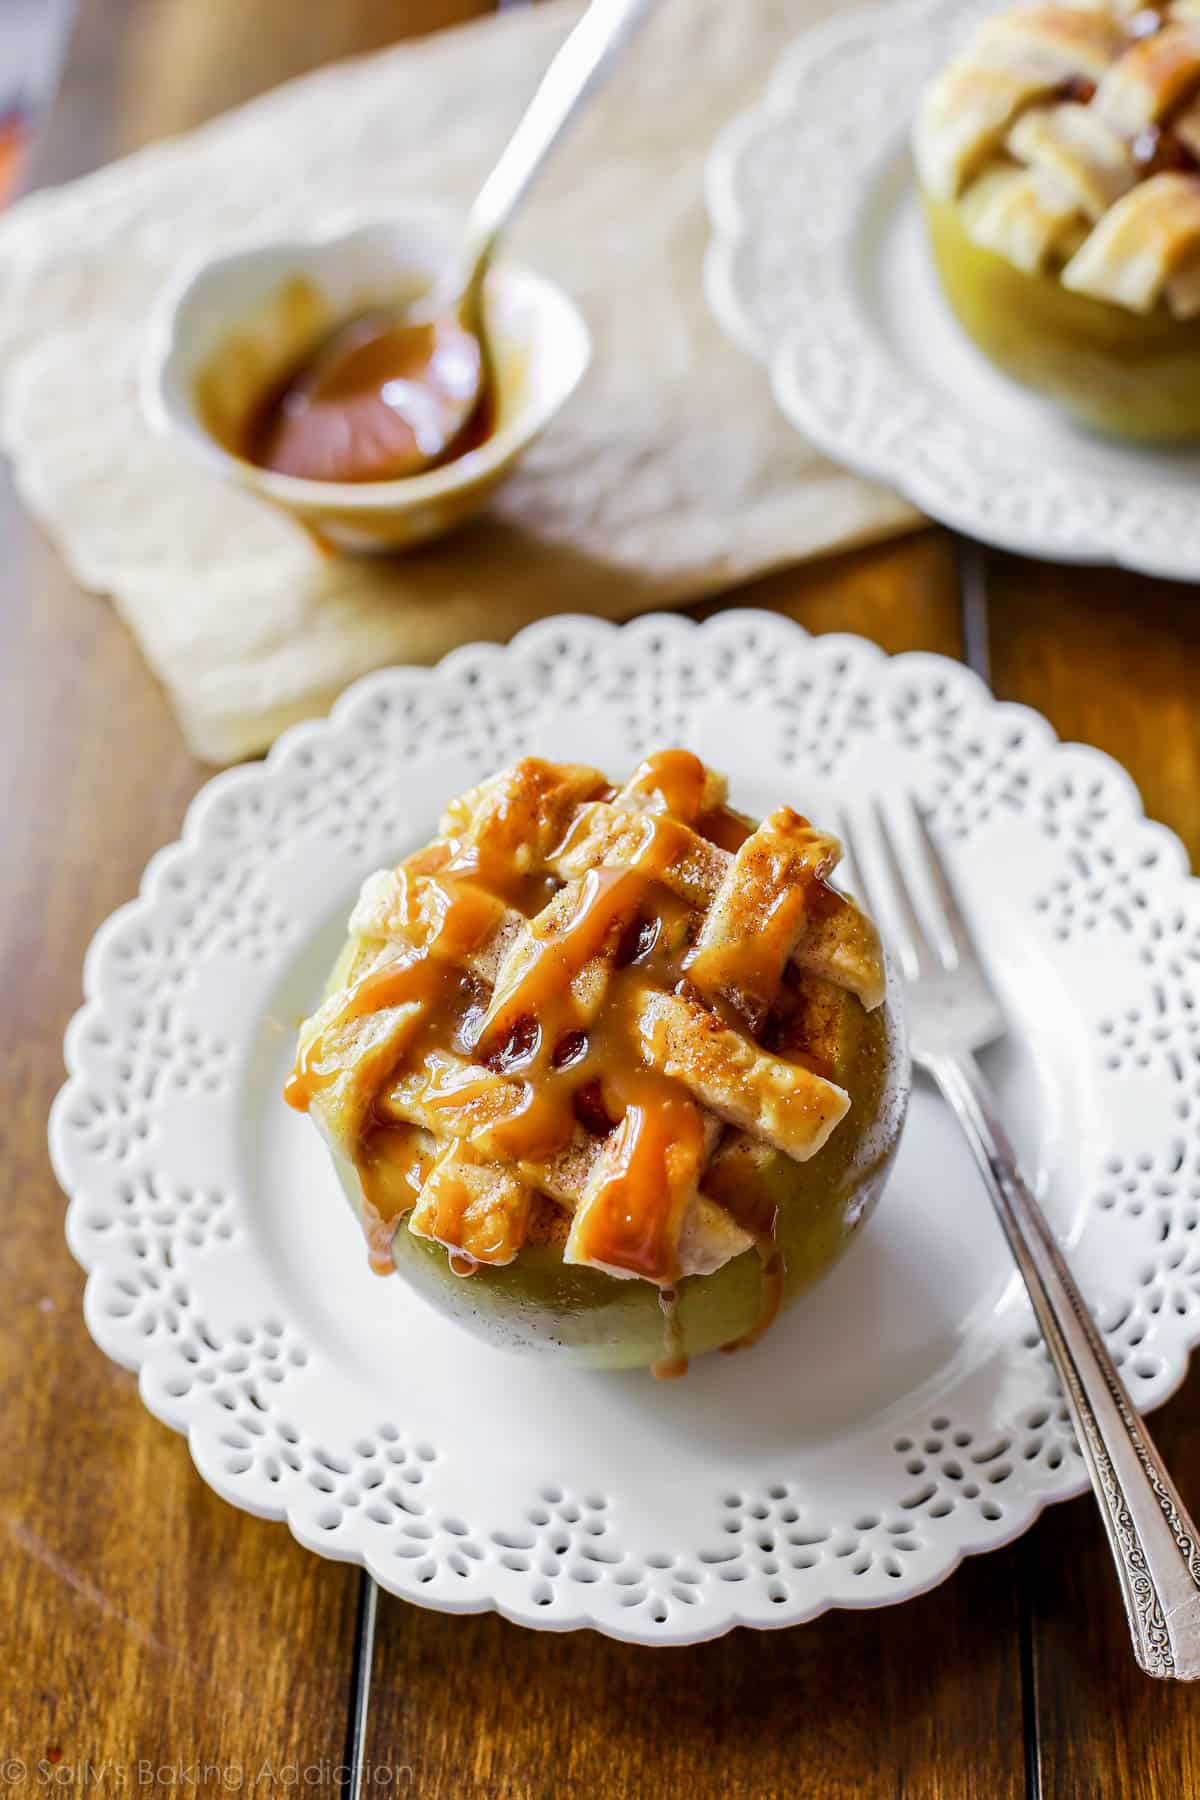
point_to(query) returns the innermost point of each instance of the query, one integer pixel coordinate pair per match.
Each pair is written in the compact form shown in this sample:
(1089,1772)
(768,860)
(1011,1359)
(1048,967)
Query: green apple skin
(538,1302)
(1122,373)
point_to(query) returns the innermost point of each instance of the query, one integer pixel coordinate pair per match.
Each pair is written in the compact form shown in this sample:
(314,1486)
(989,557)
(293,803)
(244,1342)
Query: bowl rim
(168,409)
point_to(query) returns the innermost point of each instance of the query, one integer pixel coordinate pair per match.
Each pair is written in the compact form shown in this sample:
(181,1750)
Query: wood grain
(903,595)
(1112,660)
(146,1620)
(922,1701)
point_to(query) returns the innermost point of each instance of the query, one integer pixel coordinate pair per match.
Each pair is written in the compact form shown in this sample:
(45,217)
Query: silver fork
(953,1013)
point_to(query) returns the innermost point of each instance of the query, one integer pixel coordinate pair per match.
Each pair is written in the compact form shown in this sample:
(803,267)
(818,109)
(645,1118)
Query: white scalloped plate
(903,1416)
(820,268)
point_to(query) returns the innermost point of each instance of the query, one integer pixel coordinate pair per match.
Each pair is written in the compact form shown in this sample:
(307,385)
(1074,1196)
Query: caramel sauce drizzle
(759,1219)
(777,882)
(559,952)
(522,1120)
(471,1210)
(558,1044)
(452,902)
(673,1363)
(774,1272)
(727,829)
(386,1154)
(673,781)
(632,1218)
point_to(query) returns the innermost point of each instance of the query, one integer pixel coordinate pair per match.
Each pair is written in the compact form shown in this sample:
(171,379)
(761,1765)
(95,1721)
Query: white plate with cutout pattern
(903,1416)
(820,268)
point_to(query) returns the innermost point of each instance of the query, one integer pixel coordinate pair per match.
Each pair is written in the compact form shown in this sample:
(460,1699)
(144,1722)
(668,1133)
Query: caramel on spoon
(392,393)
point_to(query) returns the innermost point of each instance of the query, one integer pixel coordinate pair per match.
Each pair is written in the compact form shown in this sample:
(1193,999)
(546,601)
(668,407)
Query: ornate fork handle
(1153,1541)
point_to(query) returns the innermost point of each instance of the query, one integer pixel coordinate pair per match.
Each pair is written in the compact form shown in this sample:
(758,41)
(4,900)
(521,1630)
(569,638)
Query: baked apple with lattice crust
(607,1069)
(1059,159)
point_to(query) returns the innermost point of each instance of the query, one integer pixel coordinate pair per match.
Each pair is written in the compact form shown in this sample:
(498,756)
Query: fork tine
(911,944)
(869,895)
(959,948)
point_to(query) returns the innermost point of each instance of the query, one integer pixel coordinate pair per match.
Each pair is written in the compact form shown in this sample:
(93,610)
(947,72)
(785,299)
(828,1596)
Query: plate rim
(205,805)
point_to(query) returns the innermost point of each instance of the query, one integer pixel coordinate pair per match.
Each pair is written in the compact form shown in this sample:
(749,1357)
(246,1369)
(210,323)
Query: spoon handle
(581,65)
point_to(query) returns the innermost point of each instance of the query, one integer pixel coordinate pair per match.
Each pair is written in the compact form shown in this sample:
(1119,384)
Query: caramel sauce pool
(377,401)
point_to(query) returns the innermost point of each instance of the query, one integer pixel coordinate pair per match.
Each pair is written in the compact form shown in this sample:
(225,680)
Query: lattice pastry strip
(778,1101)
(561,997)
(479,1207)
(1142,243)
(1076,157)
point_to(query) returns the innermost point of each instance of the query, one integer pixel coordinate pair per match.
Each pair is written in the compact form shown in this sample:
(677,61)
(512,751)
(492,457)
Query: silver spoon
(407,383)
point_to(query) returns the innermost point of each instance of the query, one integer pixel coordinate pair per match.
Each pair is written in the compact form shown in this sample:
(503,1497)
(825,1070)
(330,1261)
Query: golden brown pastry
(580,1042)
(1059,156)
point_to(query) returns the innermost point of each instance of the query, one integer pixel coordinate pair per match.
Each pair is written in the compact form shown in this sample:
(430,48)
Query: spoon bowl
(385,396)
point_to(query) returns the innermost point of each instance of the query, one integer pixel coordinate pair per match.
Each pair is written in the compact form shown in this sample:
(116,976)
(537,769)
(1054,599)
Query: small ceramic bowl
(232,327)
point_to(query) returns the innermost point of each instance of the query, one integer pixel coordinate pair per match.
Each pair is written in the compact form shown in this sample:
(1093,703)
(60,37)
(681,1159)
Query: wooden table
(147,1622)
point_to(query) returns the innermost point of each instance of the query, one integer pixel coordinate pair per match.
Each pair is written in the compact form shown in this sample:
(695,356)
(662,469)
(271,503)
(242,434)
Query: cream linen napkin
(670,474)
